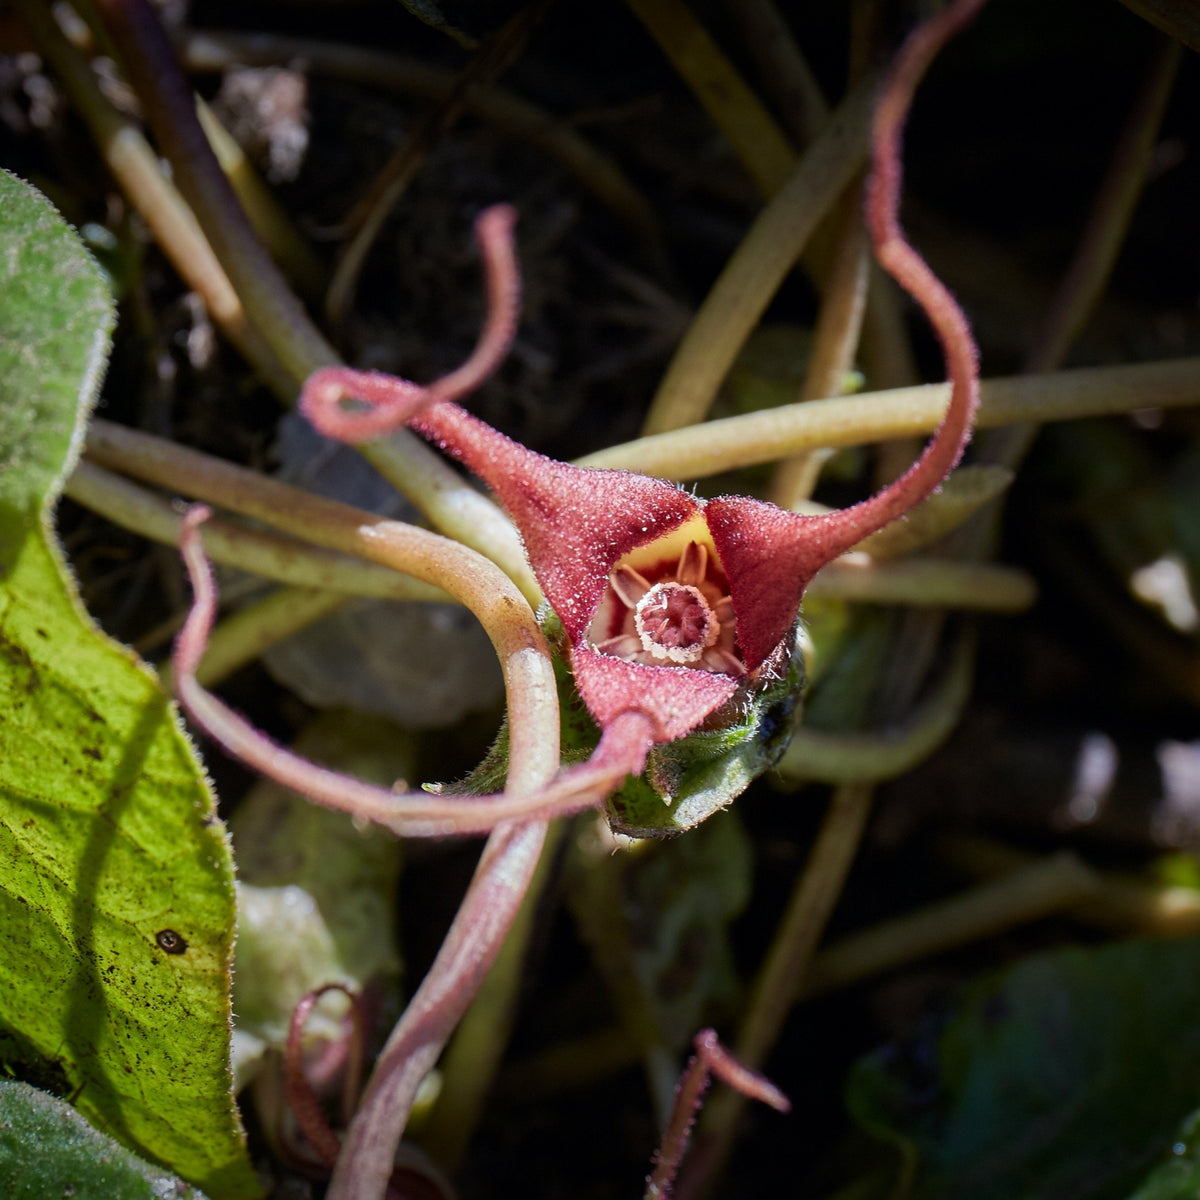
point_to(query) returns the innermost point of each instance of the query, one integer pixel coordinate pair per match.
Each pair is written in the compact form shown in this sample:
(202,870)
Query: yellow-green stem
(735,110)
(927,583)
(761,262)
(845,758)
(759,437)
(1047,886)
(781,978)
(283,559)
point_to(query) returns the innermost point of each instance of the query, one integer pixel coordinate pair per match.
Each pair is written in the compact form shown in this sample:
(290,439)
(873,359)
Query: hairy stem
(711,1058)
(532,705)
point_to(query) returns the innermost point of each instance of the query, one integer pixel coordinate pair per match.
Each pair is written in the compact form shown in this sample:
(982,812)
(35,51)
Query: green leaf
(1067,1075)
(55,318)
(116,883)
(47,1150)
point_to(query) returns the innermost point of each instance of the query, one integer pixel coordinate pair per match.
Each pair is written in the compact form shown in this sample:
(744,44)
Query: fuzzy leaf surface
(47,1149)
(116,882)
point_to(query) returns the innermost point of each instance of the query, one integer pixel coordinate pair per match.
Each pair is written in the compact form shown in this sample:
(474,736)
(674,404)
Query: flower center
(675,623)
(668,605)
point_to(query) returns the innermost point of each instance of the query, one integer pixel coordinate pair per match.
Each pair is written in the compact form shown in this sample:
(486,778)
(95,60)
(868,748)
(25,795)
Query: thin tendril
(393,402)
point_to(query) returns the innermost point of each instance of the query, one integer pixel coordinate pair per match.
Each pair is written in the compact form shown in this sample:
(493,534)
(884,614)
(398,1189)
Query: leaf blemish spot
(170,942)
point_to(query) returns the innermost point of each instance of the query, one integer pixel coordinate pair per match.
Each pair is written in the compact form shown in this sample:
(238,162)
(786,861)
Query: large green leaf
(116,883)
(48,1150)
(1068,1075)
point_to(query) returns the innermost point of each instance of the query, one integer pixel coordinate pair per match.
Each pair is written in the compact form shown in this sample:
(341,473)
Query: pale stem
(786,76)
(834,345)
(1028,894)
(268,555)
(473,1059)
(1124,904)
(843,758)
(467,953)
(759,437)
(149,62)
(733,108)
(135,167)
(779,981)
(217,51)
(763,259)
(928,583)
(289,345)
(270,219)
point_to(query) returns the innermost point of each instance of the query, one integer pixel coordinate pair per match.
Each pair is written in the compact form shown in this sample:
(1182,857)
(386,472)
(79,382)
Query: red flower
(671,605)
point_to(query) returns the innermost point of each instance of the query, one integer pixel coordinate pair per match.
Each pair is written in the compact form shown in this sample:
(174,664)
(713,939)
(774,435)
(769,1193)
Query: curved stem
(778,983)
(845,758)
(532,705)
(466,954)
(150,64)
(292,338)
(731,105)
(844,529)
(135,167)
(711,1058)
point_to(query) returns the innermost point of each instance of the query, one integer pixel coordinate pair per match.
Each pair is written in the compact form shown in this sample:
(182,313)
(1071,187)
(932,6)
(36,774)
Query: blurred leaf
(116,894)
(48,1150)
(316,895)
(1178,1176)
(657,919)
(1067,1075)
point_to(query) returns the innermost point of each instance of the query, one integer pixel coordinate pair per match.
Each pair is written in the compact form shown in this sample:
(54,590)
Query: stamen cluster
(669,607)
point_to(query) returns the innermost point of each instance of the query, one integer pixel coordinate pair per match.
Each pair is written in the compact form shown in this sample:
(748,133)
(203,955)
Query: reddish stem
(711,1058)
(393,401)
(846,528)
(622,749)
(301,1097)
